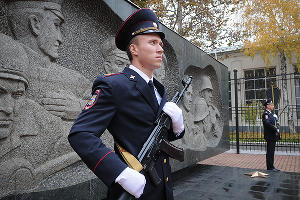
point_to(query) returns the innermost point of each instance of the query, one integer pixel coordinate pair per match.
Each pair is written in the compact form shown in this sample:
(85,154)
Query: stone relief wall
(201,109)
(50,52)
(33,142)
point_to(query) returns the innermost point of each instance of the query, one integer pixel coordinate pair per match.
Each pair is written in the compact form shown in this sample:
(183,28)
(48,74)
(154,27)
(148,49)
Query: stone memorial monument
(50,53)
(206,115)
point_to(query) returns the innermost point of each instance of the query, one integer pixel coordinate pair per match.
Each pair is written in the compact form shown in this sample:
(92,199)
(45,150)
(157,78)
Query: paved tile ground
(286,163)
(210,182)
(222,177)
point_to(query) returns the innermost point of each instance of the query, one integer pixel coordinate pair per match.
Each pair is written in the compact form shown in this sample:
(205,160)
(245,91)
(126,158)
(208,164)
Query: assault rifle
(155,144)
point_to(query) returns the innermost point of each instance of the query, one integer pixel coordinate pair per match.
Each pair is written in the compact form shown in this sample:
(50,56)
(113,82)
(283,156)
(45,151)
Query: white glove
(176,115)
(132,181)
(275,116)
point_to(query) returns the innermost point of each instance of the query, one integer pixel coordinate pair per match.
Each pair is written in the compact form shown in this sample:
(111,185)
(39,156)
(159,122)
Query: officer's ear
(133,49)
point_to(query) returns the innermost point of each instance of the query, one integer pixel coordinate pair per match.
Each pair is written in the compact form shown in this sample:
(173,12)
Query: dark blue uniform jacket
(269,122)
(123,105)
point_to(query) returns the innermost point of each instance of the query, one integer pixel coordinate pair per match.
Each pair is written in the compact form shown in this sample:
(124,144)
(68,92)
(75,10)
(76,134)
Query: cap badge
(141,30)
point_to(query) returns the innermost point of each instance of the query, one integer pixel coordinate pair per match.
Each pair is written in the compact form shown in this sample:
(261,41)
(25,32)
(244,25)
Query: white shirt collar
(142,74)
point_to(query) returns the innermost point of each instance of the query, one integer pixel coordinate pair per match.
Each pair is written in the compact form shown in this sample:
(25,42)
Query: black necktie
(150,83)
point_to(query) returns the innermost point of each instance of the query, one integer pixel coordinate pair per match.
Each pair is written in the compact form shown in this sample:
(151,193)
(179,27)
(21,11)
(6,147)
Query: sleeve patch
(92,100)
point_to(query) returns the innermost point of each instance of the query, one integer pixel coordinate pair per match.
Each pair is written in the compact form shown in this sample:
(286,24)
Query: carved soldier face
(160,73)
(207,95)
(116,61)
(10,91)
(188,99)
(49,36)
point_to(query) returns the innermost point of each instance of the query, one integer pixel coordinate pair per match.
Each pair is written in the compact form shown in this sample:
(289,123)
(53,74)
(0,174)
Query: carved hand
(63,105)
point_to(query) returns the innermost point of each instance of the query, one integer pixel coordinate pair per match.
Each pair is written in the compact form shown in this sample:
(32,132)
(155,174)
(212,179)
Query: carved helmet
(28,2)
(13,59)
(52,5)
(205,83)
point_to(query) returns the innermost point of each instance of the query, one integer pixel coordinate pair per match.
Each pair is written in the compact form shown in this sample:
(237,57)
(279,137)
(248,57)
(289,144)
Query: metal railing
(246,128)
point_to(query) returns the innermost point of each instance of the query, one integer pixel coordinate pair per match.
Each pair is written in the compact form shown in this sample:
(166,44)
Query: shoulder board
(113,74)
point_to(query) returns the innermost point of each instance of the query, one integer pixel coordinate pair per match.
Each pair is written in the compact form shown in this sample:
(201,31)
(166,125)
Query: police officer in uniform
(271,133)
(127,105)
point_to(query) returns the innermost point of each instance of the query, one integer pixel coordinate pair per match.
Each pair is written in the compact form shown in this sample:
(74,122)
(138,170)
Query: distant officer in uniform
(127,104)
(271,133)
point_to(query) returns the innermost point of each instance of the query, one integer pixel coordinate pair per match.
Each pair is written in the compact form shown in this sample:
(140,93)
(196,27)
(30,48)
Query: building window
(257,82)
(229,98)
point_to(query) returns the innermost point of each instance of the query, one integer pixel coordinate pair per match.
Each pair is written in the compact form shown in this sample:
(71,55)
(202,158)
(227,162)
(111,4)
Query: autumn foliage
(272,27)
(201,22)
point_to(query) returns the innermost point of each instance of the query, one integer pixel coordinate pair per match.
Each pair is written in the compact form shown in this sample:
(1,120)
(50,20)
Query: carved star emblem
(257,174)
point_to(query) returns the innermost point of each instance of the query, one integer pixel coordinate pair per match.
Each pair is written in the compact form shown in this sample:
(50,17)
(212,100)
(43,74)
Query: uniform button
(167,179)
(165,161)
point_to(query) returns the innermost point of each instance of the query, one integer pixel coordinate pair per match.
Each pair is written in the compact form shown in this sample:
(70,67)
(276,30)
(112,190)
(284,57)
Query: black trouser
(270,154)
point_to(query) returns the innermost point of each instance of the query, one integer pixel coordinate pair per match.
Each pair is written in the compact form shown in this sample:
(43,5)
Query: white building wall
(237,60)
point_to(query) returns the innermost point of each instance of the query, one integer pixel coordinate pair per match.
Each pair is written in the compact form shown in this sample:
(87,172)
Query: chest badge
(132,77)
(266,116)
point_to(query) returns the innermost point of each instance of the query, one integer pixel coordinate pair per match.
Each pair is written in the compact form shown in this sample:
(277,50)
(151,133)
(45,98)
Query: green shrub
(259,137)
(252,112)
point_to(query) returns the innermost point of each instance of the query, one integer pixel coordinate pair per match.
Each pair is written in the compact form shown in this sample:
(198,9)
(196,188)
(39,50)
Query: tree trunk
(286,102)
(179,18)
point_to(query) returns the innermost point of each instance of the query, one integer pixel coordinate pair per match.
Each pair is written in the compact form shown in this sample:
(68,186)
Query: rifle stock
(173,151)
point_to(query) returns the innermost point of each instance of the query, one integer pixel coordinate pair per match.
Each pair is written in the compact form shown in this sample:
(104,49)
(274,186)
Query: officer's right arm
(86,130)
(268,121)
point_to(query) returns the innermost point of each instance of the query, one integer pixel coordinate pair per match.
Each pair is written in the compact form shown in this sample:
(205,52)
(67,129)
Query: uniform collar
(142,74)
(143,87)
(268,111)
